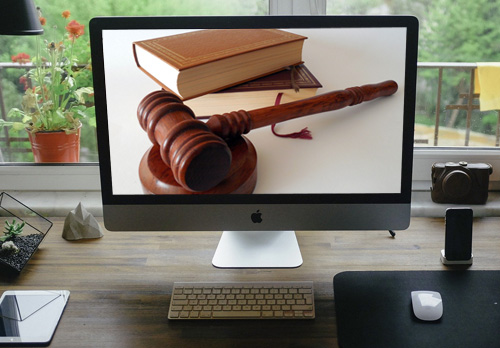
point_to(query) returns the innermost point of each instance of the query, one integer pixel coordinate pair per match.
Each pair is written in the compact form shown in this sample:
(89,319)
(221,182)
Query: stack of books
(223,70)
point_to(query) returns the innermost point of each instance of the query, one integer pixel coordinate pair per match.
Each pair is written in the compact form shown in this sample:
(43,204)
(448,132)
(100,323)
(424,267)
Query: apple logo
(256,217)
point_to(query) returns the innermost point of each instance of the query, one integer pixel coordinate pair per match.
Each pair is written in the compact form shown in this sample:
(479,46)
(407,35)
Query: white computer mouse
(427,305)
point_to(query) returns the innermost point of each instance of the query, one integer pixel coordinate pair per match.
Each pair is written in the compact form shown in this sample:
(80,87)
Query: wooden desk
(120,285)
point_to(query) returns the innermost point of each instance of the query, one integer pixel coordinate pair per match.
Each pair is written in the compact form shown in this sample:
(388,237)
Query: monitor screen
(329,163)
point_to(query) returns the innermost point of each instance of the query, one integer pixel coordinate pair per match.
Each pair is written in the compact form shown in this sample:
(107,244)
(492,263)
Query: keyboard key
(236,314)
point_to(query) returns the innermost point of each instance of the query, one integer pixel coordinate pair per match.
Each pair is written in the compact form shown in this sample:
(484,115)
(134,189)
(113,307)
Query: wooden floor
(121,284)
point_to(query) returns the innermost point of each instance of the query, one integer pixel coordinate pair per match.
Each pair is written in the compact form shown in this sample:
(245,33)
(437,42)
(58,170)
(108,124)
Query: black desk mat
(373,309)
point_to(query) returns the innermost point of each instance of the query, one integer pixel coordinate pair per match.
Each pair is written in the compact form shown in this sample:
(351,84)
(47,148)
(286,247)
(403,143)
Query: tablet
(30,317)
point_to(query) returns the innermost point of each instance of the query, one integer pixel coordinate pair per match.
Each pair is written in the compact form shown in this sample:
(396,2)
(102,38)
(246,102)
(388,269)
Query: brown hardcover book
(204,61)
(258,93)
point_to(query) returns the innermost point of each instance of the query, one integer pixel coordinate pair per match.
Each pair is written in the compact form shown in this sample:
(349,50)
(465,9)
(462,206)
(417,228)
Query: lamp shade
(19,17)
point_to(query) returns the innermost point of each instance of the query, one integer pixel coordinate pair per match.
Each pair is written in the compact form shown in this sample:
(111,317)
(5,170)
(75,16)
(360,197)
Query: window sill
(59,204)
(423,206)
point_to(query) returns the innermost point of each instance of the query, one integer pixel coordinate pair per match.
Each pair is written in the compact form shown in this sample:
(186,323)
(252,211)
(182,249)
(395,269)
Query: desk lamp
(19,17)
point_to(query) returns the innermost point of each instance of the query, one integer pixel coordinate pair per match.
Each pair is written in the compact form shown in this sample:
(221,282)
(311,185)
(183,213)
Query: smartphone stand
(447,262)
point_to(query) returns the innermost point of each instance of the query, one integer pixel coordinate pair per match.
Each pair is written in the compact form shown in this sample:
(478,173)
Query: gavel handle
(241,122)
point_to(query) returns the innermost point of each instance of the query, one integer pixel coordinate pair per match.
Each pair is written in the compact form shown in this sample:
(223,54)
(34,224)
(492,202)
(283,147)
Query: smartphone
(458,234)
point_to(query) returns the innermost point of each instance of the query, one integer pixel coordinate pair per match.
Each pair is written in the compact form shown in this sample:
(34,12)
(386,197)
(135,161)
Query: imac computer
(327,147)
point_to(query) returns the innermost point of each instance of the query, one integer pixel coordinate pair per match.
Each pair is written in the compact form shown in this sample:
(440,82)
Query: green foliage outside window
(450,31)
(83,11)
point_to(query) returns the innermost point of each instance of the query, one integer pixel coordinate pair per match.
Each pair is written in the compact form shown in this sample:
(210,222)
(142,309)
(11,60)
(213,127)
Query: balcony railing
(467,99)
(6,141)
(464,100)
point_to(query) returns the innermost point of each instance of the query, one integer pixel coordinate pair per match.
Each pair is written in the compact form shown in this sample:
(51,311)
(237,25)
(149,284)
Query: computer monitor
(354,174)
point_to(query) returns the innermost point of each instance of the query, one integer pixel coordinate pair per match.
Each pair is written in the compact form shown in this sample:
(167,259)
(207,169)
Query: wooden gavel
(197,152)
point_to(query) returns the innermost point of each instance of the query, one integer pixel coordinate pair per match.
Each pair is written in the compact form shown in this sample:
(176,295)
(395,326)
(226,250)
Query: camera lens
(457,184)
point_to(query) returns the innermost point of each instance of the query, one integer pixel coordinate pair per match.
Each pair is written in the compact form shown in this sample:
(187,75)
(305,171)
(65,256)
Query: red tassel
(303,134)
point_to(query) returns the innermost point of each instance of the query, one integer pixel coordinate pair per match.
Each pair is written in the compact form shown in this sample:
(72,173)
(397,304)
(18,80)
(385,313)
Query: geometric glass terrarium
(21,232)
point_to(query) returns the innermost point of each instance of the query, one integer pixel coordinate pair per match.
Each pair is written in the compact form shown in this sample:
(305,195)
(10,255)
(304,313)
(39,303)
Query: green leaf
(26,118)
(70,82)
(18,126)
(59,117)
(90,112)
(14,112)
(80,92)
(5,123)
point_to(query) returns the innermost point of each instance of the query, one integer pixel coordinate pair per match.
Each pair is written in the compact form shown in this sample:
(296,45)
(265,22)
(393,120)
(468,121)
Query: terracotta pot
(49,147)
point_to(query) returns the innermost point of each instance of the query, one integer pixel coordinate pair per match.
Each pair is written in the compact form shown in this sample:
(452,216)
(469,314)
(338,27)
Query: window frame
(50,177)
(85,176)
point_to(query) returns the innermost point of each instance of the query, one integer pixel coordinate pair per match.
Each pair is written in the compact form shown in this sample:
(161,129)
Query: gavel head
(199,159)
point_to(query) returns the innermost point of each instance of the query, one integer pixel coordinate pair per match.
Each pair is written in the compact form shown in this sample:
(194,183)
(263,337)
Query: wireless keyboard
(242,300)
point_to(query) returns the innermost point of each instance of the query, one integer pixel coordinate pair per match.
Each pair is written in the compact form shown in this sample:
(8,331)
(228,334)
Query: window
(16,169)
(454,36)
(18,52)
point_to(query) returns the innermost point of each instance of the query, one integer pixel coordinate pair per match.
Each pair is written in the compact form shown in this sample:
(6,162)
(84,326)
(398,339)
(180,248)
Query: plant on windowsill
(53,108)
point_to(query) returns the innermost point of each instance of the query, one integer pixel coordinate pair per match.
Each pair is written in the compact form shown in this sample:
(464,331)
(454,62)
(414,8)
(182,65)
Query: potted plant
(55,104)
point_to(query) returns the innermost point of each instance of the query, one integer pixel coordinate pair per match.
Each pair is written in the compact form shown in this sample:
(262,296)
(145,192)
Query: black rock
(27,246)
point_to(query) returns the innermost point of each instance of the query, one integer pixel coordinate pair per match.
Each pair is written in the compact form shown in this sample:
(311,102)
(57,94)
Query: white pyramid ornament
(80,224)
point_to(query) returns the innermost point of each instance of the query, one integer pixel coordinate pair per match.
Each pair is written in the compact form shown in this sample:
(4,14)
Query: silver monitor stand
(257,249)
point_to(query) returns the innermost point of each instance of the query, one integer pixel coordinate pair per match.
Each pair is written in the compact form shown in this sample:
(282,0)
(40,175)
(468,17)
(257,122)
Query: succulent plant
(12,229)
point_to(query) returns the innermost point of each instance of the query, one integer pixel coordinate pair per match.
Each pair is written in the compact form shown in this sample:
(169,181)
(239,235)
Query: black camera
(460,183)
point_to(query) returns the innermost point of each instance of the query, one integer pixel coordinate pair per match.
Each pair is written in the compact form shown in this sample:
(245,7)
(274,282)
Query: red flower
(21,58)
(24,81)
(66,14)
(75,29)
